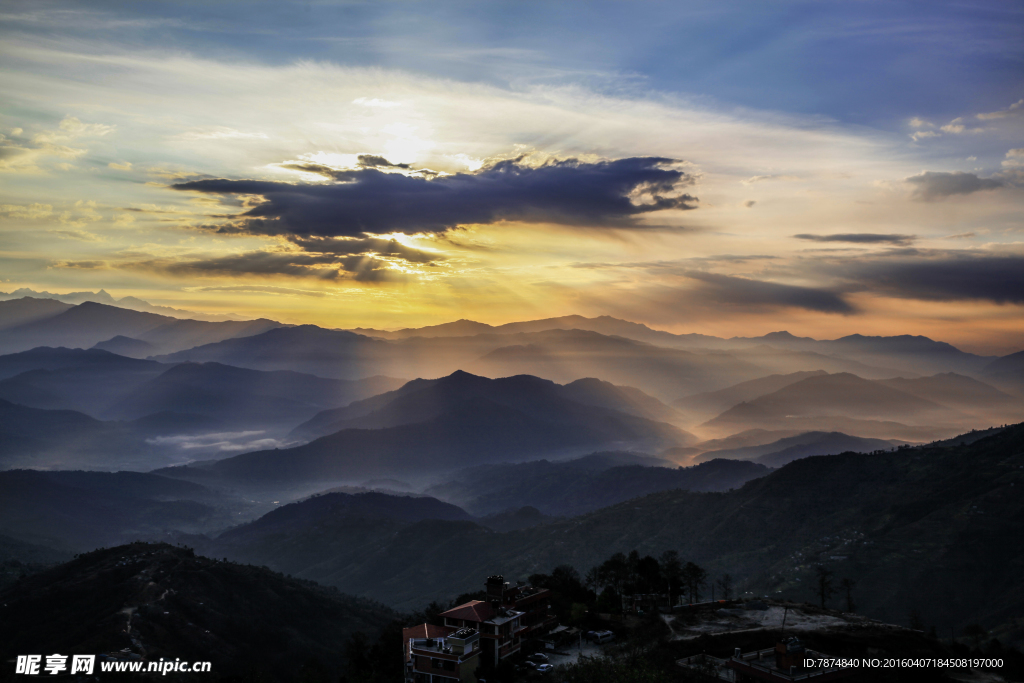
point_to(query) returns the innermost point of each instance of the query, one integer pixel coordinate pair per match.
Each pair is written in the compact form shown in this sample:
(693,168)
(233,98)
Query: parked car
(544,668)
(538,657)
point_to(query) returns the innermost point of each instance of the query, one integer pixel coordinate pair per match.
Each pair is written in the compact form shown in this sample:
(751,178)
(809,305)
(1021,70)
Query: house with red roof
(500,622)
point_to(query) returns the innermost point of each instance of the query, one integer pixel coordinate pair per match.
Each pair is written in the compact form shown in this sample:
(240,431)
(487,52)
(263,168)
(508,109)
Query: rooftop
(425,631)
(474,610)
(479,611)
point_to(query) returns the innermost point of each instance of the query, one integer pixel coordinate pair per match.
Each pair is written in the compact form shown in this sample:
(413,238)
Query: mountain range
(787,449)
(421,400)
(872,408)
(37,322)
(103,297)
(231,387)
(923,354)
(433,426)
(163,400)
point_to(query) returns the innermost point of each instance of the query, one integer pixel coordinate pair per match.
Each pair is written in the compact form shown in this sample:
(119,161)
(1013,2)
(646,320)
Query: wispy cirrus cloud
(860,238)
(261,289)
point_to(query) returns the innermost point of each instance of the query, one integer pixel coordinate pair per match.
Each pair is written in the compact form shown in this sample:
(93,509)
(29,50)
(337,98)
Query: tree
(615,570)
(632,570)
(825,588)
(725,586)
(609,602)
(695,578)
(566,576)
(672,572)
(648,574)
(847,585)
(566,588)
(594,580)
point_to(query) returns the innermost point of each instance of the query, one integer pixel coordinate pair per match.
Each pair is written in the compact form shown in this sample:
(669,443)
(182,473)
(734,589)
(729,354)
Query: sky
(728,167)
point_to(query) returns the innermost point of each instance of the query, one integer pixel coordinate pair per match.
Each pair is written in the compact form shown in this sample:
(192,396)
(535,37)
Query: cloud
(1014,158)
(23,211)
(605,194)
(918,122)
(941,276)
(761,178)
(125,166)
(80,235)
(676,266)
(223,442)
(24,156)
(374,161)
(923,134)
(69,129)
(1014,109)
(957,126)
(327,267)
(84,212)
(365,245)
(80,265)
(738,291)
(954,126)
(860,238)
(932,185)
(261,289)
(749,203)
(221,133)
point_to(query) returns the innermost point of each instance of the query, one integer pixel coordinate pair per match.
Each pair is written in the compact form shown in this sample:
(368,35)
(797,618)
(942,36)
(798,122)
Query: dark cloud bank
(932,185)
(730,290)
(334,226)
(370,201)
(944,276)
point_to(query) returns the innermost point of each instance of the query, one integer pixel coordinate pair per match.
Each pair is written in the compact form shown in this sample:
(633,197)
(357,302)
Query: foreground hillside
(927,529)
(78,511)
(575,487)
(164,601)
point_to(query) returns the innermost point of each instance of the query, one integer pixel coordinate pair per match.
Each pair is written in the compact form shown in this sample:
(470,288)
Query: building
(784,662)
(500,623)
(500,628)
(439,654)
